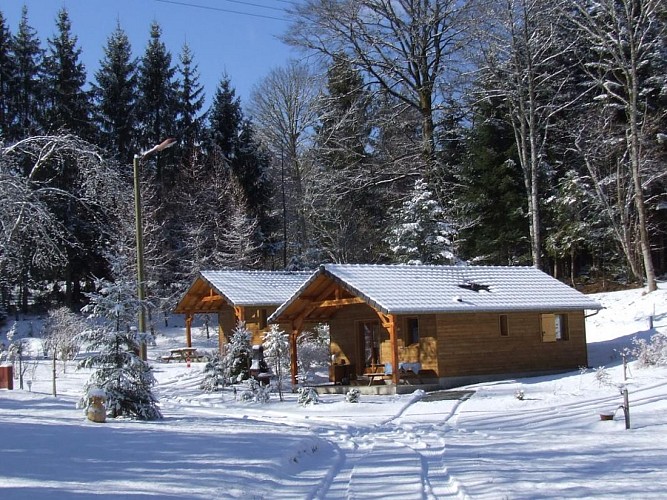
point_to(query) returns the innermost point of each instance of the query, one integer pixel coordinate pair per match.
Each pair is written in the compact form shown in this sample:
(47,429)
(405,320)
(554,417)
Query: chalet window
(504,328)
(412,331)
(261,318)
(555,327)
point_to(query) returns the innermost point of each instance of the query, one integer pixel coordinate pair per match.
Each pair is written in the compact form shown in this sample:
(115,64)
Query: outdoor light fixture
(138,158)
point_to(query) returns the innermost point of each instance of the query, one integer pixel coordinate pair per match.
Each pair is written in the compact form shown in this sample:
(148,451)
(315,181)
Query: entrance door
(368,335)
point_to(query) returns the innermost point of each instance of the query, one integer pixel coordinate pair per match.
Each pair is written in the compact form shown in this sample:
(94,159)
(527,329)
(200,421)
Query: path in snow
(403,452)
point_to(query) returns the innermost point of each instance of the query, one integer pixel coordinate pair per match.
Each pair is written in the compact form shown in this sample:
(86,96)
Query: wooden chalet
(249,296)
(447,324)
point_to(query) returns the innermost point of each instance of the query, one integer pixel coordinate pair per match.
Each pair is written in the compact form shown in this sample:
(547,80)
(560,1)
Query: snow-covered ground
(551,444)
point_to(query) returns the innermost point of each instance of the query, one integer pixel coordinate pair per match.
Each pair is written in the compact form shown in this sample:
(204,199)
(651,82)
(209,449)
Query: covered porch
(370,349)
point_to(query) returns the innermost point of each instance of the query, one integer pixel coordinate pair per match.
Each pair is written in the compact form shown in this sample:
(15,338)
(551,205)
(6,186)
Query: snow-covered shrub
(603,377)
(520,395)
(353,395)
(276,350)
(255,392)
(651,353)
(61,334)
(238,354)
(216,374)
(308,396)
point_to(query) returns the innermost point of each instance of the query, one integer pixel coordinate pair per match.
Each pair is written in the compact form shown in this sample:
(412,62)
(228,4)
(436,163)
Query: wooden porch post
(297,326)
(239,313)
(394,349)
(221,333)
(294,335)
(188,330)
(389,322)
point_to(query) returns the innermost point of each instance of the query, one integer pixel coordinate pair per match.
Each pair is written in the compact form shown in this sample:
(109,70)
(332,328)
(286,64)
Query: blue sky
(222,38)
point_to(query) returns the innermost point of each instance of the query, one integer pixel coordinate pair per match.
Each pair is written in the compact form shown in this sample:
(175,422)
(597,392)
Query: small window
(562,331)
(554,327)
(412,331)
(261,318)
(504,329)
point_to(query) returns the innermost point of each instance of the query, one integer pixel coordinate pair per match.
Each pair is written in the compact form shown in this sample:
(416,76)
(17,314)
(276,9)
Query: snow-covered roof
(407,289)
(260,288)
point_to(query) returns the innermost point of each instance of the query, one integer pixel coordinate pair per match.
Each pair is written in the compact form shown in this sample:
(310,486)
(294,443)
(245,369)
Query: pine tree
(191,102)
(216,374)
(490,194)
(238,355)
(250,166)
(115,91)
(224,120)
(27,94)
(68,104)
(7,72)
(157,106)
(238,248)
(345,202)
(119,370)
(421,235)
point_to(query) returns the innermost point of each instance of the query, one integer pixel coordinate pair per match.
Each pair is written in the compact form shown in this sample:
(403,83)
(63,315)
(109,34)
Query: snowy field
(550,444)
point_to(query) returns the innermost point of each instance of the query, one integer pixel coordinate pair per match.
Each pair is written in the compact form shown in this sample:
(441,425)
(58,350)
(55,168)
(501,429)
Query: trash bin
(7,377)
(96,409)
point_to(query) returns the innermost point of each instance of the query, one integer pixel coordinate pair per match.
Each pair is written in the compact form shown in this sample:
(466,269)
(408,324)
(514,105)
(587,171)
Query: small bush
(353,396)
(603,377)
(308,396)
(651,353)
(255,392)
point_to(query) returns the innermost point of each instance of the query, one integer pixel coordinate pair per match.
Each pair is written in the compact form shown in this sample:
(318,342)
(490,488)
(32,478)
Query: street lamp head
(167,143)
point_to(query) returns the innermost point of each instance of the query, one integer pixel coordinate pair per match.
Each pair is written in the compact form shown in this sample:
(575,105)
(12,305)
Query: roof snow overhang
(402,289)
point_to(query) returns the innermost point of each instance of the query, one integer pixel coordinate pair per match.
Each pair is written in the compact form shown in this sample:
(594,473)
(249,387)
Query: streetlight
(138,158)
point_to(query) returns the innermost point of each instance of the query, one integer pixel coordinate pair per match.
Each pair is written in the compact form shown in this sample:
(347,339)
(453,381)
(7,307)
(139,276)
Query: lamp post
(138,158)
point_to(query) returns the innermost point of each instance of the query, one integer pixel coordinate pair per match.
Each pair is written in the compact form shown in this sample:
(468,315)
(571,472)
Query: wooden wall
(344,331)
(471,344)
(465,344)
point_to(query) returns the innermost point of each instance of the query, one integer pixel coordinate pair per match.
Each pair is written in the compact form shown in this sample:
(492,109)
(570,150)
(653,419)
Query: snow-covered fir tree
(421,234)
(239,353)
(276,350)
(216,374)
(118,369)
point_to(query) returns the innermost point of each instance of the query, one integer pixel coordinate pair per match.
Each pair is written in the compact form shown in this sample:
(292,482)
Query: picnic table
(375,372)
(182,354)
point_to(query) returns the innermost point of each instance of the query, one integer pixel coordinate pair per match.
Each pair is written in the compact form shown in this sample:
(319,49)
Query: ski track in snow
(406,456)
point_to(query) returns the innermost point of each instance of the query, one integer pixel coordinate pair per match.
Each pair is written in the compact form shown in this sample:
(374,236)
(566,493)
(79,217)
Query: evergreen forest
(468,132)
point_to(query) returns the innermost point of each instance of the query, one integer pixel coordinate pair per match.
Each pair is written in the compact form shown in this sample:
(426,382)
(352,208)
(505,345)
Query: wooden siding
(471,344)
(344,331)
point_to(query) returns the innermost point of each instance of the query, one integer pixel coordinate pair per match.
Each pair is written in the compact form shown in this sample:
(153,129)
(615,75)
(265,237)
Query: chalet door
(369,344)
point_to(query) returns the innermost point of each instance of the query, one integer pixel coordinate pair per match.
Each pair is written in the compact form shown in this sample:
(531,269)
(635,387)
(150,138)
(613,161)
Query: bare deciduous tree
(522,56)
(627,44)
(408,49)
(282,106)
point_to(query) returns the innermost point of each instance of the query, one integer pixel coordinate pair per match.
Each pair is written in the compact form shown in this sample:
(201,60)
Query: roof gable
(240,288)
